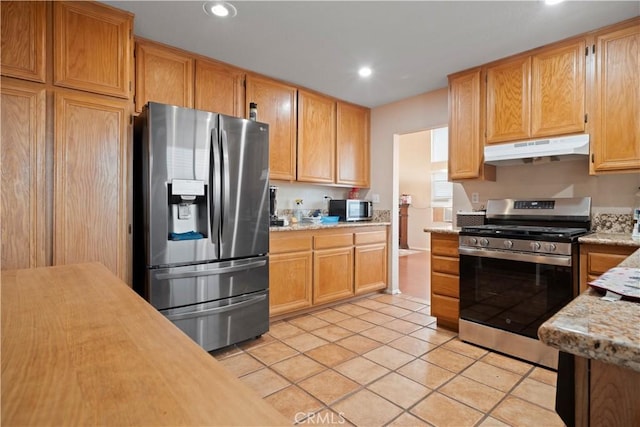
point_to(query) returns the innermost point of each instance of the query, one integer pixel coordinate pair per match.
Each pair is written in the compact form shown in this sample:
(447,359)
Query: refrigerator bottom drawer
(217,324)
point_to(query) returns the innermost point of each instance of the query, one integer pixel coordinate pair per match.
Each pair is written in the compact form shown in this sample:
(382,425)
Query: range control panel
(534,204)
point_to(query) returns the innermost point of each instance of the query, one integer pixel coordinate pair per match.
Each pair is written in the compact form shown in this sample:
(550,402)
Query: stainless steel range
(518,270)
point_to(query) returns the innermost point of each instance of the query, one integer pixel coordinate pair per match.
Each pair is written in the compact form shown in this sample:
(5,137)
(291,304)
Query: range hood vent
(538,151)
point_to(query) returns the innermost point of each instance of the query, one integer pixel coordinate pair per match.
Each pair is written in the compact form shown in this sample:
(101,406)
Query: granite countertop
(617,239)
(444,229)
(595,329)
(321,226)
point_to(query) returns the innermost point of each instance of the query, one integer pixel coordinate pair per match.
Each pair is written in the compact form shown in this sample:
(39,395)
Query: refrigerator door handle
(214,185)
(217,310)
(221,270)
(226,179)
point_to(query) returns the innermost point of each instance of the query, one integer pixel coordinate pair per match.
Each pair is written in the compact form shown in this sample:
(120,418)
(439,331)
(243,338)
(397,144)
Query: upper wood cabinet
(23,26)
(22,126)
(91,173)
(316,138)
(466,127)
(163,74)
(537,95)
(219,88)
(615,136)
(92,48)
(352,145)
(276,107)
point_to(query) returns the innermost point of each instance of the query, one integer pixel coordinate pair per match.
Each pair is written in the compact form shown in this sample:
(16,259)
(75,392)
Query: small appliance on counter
(273,207)
(351,209)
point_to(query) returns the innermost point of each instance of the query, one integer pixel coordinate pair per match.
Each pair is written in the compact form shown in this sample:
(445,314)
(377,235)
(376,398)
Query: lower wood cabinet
(445,280)
(595,259)
(315,267)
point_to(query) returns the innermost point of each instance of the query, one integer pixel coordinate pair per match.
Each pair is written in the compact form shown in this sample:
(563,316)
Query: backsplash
(382,215)
(612,223)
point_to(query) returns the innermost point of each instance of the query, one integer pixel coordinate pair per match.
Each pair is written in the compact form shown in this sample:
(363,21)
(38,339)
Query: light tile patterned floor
(382,360)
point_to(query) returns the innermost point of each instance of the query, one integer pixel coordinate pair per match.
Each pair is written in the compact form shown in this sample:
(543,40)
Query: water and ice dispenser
(187,209)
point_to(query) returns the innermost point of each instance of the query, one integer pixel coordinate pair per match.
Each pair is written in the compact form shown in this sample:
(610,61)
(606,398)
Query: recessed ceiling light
(364,72)
(552,2)
(220,9)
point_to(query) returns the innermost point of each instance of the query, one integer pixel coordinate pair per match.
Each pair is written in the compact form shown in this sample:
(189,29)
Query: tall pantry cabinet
(69,130)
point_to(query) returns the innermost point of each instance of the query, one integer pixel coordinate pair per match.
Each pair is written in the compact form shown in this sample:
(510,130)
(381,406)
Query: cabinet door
(508,100)
(332,274)
(615,140)
(290,282)
(90,194)
(352,146)
(22,126)
(277,107)
(219,88)
(92,45)
(23,29)
(163,75)
(370,272)
(316,138)
(558,90)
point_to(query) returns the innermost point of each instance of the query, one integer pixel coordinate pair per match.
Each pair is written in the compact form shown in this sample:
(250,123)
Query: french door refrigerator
(201,221)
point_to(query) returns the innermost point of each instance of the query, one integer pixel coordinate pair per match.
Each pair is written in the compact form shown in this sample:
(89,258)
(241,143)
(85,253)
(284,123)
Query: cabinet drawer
(445,284)
(367,237)
(332,241)
(445,265)
(444,244)
(291,243)
(445,308)
(599,262)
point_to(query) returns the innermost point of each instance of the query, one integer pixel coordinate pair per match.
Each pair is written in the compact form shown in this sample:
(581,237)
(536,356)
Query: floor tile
(359,344)
(412,345)
(399,389)
(354,324)
(440,410)
(388,299)
(365,408)
(352,309)
(402,326)
(426,373)
(448,359)
(369,304)
(326,417)
(265,381)
(293,401)
(492,422)
(433,336)
(492,376)
(282,330)
(408,420)
(394,311)
(308,322)
(381,334)
(332,332)
(519,412)
(465,349)
(331,315)
(272,352)
(544,375)
(305,341)
(226,352)
(330,354)
(375,317)
(256,342)
(389,357)
(241,364)
(328,386)
(297,368)
(508,363)
(420,319)
(361,370)
(536,392)
(474,394)
(409,305)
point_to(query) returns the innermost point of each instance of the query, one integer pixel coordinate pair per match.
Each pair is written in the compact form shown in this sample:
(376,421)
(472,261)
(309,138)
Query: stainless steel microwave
(351,209)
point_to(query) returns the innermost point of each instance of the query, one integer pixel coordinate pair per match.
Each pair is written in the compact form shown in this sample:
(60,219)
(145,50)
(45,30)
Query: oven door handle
(561,260)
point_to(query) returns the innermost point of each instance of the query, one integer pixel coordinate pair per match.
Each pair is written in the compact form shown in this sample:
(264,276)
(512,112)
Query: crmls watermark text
(311,418)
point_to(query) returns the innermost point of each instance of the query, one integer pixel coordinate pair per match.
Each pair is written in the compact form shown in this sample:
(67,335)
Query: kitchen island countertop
(595,329)
(79,347)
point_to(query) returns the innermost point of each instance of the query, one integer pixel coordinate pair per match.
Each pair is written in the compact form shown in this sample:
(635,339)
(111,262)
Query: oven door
(514,292)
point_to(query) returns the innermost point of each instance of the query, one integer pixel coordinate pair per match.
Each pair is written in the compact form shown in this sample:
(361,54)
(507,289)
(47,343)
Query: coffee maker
(273,206)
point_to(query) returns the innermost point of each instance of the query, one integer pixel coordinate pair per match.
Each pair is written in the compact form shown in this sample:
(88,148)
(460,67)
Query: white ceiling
(411,45)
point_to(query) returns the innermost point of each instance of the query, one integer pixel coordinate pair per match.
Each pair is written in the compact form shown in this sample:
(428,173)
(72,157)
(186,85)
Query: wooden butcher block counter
(79,347)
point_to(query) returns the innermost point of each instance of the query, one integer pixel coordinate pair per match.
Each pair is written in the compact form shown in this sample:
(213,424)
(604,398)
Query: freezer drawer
(221,323)
(194,284)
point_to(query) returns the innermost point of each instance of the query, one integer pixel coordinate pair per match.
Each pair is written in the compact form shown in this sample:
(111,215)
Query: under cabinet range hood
(538,150)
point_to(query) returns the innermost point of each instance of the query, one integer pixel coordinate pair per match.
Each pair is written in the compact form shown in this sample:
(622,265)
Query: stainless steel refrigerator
(201,221)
